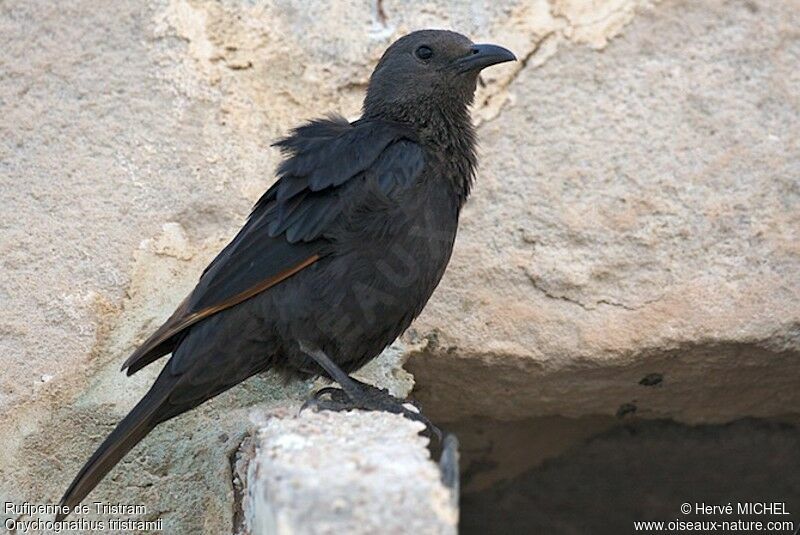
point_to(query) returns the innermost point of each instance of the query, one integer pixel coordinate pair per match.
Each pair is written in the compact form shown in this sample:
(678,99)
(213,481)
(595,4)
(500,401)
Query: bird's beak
(482,56)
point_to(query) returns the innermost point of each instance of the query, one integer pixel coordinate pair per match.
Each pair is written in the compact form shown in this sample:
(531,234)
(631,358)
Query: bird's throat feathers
(444,127)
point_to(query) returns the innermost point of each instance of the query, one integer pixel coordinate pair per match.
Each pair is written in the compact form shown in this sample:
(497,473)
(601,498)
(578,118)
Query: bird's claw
(369,398)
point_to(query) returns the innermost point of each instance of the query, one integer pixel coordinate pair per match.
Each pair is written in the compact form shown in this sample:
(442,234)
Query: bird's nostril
(475,50)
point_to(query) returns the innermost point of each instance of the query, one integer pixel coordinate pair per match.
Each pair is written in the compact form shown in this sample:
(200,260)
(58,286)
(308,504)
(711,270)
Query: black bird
(337,257)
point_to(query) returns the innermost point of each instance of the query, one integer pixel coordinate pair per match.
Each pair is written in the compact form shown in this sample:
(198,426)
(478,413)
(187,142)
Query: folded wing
(286,231)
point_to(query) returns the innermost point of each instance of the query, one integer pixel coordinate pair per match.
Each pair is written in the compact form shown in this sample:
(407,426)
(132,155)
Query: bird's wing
(285,232)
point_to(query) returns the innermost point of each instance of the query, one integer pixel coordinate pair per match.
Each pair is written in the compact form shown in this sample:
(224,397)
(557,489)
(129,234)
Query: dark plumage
(339,255)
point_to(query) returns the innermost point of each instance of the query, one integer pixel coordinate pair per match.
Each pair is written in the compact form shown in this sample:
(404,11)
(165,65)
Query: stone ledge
(355,472)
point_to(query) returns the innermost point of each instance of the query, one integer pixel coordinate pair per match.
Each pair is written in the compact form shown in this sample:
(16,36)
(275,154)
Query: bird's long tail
(129,432)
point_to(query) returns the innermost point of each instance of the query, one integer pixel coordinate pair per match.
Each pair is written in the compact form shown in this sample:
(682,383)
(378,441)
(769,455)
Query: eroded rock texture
(638,212)
(636,215)
(355,472)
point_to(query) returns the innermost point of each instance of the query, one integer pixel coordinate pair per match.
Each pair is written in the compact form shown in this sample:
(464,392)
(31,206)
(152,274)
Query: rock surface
(356,472)
(636,216)
(638,212)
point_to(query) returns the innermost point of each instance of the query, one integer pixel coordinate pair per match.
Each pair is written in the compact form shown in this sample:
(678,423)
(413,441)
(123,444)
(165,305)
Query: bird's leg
(357,395)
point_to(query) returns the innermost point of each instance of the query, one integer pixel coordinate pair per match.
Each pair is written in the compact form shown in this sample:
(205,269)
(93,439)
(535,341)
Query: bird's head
(428,70)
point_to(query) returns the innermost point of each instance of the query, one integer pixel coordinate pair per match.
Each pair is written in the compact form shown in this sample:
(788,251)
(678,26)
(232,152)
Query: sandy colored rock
(637,212)
(355,472)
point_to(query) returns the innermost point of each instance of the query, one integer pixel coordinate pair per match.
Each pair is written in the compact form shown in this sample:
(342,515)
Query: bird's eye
(424,52)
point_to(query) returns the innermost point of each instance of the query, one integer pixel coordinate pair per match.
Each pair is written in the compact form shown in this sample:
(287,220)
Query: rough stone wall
(356,472)
(637,212)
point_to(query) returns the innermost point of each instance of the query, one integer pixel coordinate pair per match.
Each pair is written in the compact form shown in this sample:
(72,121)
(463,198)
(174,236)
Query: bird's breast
(379,278)
(404,247)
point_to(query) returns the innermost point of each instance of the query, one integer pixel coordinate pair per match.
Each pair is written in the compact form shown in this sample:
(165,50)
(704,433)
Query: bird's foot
(369,398)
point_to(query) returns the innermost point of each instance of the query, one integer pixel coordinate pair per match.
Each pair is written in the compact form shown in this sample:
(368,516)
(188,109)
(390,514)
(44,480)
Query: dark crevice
(238,459)
(380,13)
(634,471)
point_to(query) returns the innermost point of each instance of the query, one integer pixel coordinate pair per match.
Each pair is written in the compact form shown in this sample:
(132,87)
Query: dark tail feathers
(132,429)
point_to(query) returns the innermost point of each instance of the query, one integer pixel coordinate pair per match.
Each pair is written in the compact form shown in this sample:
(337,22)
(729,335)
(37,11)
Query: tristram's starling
(337,257)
